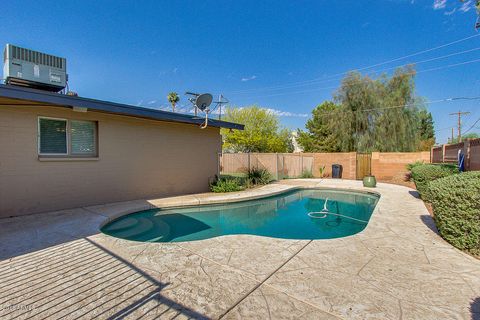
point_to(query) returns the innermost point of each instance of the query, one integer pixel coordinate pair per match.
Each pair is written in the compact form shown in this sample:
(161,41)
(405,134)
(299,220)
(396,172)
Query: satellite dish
(203,101)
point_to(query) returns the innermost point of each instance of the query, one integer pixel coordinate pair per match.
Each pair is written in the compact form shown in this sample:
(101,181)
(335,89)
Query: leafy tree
(319,137)
(471,135)
(427,132)
(371,115)
(378,114)
(262,132)
(173,98)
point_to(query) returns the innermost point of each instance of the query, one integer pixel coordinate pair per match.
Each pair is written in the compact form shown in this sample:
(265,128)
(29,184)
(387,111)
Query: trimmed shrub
(410,166)
(423,174)
(306,174)
(456,205)
(257,176)
(225,184)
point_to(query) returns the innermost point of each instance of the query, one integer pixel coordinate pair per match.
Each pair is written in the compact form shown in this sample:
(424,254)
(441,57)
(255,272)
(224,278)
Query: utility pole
(459,114)
(451,141)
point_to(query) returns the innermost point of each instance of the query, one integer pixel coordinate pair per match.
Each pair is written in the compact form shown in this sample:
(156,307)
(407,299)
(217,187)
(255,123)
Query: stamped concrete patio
(58,265)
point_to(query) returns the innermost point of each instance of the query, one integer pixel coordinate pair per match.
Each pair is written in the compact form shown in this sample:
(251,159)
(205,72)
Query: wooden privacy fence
(280,165)
(384,165)
(448,153)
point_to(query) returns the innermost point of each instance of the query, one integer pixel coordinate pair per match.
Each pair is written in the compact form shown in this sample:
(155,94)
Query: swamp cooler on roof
(33,69)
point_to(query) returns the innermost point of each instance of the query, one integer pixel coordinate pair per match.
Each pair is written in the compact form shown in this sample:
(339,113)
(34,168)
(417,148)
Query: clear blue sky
(135,52)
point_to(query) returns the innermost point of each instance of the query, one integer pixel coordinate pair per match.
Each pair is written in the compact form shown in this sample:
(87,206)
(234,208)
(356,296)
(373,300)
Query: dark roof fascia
(61,100)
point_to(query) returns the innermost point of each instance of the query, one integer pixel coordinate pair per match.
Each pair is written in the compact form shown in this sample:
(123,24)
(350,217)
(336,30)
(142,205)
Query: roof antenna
(221,101)
(201,102)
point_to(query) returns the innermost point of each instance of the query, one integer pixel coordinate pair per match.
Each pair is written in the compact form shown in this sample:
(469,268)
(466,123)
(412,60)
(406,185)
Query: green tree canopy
(262,133)
(471,135)
(427,131)
(371,115)
(320,134)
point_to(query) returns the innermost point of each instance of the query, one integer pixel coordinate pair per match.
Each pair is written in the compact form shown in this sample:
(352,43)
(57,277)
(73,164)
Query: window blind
(53,136)
(82,137)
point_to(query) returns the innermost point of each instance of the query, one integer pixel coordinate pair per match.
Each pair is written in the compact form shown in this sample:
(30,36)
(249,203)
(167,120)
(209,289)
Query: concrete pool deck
(58,265)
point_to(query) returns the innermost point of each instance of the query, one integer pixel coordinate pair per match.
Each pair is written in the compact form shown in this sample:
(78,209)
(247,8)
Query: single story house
(60,151)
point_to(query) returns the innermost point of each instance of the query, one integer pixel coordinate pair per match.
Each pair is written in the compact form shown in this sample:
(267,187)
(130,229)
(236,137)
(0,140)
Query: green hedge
(227,184)
(456,205)
(236,182)
(423,174)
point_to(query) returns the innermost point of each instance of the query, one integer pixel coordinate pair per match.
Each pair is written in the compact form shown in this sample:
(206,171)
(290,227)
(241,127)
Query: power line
(427,60)
(420,52)
(378,71)
(473,125)
(295,92)
(407,105)
(364,68)
(408,73)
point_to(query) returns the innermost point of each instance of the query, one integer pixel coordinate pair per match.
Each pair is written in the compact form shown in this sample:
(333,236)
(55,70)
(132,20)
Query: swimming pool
(299,214)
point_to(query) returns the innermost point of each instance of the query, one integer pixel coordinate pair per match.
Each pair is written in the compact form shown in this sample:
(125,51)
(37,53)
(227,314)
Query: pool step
(122,224)
(142,226)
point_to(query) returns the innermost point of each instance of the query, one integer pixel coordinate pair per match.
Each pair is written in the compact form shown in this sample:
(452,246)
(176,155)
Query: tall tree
(371,115)
(427,131)
(262,132)
(319,136)
(173,98)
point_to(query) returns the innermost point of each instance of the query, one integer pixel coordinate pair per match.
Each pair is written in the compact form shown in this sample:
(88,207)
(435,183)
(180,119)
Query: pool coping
(206,199)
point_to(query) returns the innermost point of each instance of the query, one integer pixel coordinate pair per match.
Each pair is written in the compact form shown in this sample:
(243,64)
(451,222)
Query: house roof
(13,95)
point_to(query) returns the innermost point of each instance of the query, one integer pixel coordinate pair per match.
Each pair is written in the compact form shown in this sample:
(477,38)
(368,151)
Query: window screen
(82,137)
(53,136)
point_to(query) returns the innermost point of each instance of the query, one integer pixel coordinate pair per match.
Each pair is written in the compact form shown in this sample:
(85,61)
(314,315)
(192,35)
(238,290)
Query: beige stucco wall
(138,159)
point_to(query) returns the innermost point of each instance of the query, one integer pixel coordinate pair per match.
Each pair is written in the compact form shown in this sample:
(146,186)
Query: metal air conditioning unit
(28,68)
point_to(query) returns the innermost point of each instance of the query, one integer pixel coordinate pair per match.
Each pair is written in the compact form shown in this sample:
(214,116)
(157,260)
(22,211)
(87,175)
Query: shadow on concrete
(82,279)
(31,233)
(414,194)
(475,309)
(429,222)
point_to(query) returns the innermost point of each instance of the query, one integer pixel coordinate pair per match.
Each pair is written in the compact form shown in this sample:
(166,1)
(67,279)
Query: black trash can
(337,171)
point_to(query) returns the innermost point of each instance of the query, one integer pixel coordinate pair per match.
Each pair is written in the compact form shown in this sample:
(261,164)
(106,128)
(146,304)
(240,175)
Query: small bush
(456,205)
(424,174)
(225,184)
(322,171)
(410,166)
(306,174)
(257,176)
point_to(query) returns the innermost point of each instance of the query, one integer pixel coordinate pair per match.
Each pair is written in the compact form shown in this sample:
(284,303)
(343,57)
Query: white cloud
(249,78)
(449,13)
(439,4)
(466,6)
(188,109)
(281,113)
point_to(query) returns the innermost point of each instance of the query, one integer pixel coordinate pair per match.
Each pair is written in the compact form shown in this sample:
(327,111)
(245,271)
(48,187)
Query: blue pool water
(335,214)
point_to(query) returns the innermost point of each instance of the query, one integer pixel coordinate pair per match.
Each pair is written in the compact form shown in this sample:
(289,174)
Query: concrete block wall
(392,165)
(348,161)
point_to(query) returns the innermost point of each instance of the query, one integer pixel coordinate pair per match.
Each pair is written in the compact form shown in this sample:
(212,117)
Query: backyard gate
(364,165)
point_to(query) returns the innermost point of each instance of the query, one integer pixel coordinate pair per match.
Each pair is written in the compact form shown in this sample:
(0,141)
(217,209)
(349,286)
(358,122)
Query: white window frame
(68,154)
(66,133)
